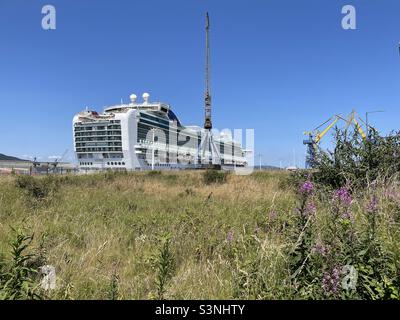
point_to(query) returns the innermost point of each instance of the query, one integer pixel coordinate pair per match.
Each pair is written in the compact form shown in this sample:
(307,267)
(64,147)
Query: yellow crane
(352,120)
(315,136)
(319,136)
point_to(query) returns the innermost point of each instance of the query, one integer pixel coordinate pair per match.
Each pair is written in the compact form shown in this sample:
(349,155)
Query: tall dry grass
(227,240)
(99,225)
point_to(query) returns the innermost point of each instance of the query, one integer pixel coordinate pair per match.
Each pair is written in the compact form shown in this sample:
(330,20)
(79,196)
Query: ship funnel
(133,98)
(146,97)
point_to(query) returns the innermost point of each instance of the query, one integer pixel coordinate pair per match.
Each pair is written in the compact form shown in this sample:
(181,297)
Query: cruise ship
(145,136)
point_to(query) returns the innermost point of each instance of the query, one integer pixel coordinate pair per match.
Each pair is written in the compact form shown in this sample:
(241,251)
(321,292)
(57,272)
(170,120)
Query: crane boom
(360,130)
(315,136)
(323,133)
(352,120)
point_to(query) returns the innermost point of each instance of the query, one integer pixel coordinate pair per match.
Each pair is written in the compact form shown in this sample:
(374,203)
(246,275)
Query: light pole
(259,156)
(152,149)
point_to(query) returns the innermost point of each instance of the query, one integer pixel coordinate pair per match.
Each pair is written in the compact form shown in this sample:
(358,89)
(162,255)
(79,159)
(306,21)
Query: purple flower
(307,188)
(310,209)
(343,195)
(347,215)
(330,281)
(321,249)
(229,236)
(372,206)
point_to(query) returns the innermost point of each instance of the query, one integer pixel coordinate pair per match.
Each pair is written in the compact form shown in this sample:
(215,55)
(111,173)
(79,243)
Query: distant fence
(7,172)
(36,171)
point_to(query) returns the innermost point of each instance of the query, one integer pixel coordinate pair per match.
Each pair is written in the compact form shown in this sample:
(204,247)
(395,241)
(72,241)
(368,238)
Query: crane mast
(209,154)
(207,122)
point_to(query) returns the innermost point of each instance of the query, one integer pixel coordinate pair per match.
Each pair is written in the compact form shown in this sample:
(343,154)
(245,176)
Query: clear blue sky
(278,66)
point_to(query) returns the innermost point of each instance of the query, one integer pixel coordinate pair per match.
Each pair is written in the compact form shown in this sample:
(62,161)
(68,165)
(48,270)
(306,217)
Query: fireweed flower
(320,248)
(331,280)
(306,188)
(347,215)
(310,209)
(343,195)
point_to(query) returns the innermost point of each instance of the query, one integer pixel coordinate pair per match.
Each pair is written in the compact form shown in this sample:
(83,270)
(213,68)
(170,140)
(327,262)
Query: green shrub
(214,176)
(154,173)
(37,188)
(356,161)
(164,264)
(18,280)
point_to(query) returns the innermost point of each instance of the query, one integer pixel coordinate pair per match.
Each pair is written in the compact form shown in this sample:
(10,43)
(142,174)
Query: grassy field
(171,235)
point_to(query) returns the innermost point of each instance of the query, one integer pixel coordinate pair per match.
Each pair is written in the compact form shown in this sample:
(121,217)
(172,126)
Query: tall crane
(315,136)
(209,153)
(207,98)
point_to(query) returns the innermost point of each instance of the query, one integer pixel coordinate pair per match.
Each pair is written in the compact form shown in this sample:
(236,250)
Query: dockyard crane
(352,120)
(315,136)
(58,160)
(208,150)
(35,165)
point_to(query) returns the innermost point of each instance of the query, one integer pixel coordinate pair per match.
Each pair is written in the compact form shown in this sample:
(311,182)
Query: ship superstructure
(144,136)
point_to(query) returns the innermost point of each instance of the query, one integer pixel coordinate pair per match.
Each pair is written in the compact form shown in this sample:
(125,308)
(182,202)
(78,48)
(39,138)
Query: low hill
(8,158)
